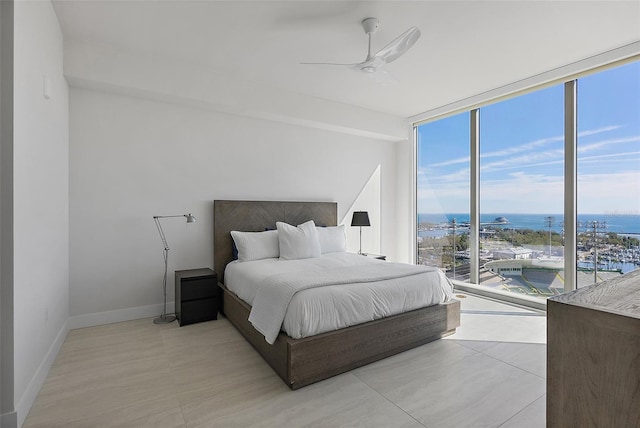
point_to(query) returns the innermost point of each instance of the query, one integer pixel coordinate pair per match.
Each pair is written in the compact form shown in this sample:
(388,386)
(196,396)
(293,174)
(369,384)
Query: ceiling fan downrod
(370,26)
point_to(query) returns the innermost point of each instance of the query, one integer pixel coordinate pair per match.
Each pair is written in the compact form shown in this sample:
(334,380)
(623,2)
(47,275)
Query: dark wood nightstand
(196,296)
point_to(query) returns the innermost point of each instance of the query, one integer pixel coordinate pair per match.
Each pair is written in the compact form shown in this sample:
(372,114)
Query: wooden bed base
(300,362)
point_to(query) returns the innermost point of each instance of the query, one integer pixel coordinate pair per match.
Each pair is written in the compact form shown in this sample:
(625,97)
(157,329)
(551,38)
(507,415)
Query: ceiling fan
(389,53)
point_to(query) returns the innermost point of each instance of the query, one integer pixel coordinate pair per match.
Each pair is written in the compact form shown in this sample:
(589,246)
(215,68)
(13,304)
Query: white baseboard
(9,420)
(33,388)
(119,315)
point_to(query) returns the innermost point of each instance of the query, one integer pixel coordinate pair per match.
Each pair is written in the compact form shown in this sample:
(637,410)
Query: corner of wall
(40,376)
(8,417)
(39,199)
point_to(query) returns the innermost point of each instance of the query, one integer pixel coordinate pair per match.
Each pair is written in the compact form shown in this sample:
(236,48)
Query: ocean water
(618,223)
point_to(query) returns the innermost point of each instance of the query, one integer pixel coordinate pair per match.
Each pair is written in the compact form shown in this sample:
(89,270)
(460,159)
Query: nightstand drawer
(198,311)
(196,295)
(198,288)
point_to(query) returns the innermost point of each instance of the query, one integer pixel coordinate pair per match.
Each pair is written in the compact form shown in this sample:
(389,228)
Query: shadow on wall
(367,200)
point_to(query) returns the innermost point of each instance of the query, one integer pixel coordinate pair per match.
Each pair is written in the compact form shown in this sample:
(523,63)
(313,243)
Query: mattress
(320,309)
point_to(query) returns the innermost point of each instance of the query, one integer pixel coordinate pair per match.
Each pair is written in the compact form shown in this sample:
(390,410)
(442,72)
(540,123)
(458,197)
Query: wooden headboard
(256,216)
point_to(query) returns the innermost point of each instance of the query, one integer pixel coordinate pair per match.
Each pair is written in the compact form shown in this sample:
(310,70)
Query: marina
(516,255)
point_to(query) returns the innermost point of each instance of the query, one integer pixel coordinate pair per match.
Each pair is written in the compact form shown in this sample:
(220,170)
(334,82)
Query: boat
(501,220)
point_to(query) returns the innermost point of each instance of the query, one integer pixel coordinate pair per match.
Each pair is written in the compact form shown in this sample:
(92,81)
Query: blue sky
(521,151)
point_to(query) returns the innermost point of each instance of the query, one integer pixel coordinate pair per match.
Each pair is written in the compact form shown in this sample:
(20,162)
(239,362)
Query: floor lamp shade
(164,318)
(360,218)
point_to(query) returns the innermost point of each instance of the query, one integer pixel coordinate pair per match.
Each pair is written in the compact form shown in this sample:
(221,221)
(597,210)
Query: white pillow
(332,239)
(298,242)
(256,245)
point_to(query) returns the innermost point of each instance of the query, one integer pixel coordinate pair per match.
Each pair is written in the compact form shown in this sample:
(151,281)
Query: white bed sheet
(318,310)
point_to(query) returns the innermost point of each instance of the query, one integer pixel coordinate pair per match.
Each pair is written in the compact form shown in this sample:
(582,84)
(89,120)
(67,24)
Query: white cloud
(583,148)
(599,193)
(522,148)
(556,156)
(606,180)
(610,155)
(598,130)
(537,193)
(522,161)
(525,147)
(466,159)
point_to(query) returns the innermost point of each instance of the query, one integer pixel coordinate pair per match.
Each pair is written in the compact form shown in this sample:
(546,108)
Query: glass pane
(443,195)
(522,194)
(608,174)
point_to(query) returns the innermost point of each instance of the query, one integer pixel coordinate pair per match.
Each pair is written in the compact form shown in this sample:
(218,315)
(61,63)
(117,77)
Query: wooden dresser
(593,355)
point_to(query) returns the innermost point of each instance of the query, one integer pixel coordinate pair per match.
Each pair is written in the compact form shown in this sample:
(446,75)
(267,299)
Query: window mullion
(570,186)
(474,208)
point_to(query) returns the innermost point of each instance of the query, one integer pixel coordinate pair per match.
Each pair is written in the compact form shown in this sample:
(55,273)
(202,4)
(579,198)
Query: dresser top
(619,295)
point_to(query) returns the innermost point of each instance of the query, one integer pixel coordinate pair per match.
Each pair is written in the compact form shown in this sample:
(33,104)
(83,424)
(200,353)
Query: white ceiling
(466,48)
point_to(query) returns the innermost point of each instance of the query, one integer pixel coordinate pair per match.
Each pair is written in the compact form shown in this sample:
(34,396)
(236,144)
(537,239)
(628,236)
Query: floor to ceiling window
(443,195)
(520,241)
(608,186)
(521,193)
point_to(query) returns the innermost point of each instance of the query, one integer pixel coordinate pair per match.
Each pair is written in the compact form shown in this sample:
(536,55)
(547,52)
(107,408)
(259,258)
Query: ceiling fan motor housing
(370,25)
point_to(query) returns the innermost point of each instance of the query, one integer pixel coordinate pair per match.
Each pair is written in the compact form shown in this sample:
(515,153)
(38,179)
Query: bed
(300,362)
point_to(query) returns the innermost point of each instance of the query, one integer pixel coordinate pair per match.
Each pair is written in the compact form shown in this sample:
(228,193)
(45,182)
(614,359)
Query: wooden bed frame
(300,362)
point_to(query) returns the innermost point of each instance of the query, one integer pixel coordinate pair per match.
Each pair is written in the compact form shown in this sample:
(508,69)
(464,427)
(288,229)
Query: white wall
(405,206)
(104,67)
(131,159)
(368,200)
(41,199)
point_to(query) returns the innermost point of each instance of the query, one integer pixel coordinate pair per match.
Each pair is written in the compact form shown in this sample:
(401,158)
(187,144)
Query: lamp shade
(190,218)
(360,218)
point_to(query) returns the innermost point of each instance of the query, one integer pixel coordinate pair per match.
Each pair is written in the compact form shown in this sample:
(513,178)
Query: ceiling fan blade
(373,63)
(399,46)
(382,77)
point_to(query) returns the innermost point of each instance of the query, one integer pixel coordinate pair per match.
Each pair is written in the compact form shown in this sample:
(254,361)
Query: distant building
(515,267)
(518,253)
(487,233)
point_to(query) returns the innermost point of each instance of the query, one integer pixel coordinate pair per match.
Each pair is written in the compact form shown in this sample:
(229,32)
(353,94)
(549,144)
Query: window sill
(502,296)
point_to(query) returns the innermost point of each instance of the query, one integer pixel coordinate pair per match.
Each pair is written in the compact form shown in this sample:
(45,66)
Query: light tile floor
(491,373)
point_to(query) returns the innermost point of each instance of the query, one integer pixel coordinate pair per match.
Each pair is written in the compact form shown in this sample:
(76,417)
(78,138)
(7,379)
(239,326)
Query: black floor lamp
(164,319)
(360,218)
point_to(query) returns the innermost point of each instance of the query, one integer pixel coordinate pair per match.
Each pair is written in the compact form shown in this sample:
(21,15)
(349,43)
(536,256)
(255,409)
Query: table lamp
(360,218)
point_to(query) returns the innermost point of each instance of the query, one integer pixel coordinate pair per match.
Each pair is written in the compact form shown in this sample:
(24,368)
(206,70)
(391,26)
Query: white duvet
(365,295)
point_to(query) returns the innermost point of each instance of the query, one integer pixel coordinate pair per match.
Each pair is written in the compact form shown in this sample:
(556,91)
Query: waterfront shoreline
(621,224)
